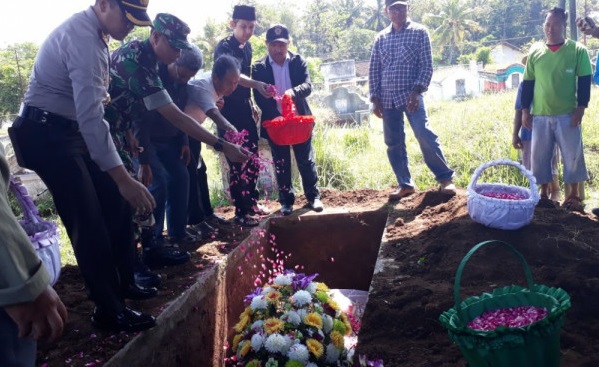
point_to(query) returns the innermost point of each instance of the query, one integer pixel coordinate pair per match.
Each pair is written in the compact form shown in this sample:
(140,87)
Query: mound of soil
(426,238)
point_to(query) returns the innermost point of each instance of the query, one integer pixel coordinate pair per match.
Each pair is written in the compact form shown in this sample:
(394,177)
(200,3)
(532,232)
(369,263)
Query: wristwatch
(218,146)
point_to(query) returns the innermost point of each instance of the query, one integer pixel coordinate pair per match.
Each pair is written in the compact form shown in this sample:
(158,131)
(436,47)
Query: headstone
(348,106)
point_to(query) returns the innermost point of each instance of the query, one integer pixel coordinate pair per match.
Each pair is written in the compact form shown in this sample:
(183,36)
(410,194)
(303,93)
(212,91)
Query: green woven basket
(537,344)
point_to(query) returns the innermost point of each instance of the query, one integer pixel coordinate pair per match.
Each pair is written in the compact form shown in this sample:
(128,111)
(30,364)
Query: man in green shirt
(557,82)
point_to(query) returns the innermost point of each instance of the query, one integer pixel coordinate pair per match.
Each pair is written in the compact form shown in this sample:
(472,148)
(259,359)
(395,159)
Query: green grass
(470,132)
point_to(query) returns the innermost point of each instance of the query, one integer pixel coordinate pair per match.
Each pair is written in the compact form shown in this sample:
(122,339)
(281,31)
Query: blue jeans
(170,188)
(14,351)
(395,139)
(304,155)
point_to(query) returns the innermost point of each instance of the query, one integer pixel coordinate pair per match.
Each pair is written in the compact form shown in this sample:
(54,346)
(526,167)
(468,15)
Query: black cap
(277,33)
(389,3)
(244,12)
(136,11)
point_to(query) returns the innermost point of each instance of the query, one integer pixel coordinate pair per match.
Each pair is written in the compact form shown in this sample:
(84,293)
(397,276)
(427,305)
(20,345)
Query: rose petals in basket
(504,195)
(487,202)
(289,129)
(512,317)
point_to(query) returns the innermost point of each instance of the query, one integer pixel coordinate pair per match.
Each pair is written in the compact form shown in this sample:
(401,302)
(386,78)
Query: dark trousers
(14,351)
(304,155)
(243,177)
(95,215)
(199,206)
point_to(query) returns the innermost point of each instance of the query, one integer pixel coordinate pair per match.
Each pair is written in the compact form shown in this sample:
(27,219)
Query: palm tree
(377,21)
(454,25)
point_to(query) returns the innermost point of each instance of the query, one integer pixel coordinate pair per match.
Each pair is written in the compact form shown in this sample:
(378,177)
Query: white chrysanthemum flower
(267,290)
(277,343)
(258,303)
(257,341)
(332,353)
(283,279)
(257,325)
(302,313)
(301,298)
(299,352)
(327,323)
(311,287)
(292,317)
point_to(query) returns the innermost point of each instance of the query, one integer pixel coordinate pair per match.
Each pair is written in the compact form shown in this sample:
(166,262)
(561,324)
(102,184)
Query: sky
(32,20)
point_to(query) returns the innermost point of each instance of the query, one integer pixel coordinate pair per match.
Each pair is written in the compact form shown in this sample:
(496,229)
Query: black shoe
(202,230)
(595,211)
(286,209)
(128,320)
(217,220)
(145,277)
(137,292)
(164,256)
(188,239)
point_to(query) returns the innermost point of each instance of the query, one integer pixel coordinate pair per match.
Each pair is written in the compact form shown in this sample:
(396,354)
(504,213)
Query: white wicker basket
(502,213)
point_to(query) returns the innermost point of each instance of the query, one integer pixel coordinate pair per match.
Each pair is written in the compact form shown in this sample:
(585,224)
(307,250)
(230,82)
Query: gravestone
(348,106)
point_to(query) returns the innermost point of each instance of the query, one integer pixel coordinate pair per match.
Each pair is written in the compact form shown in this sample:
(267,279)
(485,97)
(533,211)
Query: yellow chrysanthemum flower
(247,312)
(243,321)
(313,319)
(332,304)
(315,347)
(337,339)
(236,340)
(273,296)
(273,325)
(322,287)
(245,348)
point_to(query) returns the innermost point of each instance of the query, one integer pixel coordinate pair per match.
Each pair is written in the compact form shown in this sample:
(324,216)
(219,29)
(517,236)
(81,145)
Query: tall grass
(471,132)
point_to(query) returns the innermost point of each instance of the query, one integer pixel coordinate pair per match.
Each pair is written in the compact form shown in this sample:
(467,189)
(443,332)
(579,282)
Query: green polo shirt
(555,75)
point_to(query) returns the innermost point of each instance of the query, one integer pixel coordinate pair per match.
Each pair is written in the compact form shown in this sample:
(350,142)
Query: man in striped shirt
(401,68)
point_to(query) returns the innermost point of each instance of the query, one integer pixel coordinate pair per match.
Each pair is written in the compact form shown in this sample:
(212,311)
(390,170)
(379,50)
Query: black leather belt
(44,117)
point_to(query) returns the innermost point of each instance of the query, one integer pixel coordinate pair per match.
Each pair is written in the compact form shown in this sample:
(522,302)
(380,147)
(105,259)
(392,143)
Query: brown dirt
(427,236)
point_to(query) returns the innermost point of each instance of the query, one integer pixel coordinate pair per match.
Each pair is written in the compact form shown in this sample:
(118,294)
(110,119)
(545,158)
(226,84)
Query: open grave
(193,330)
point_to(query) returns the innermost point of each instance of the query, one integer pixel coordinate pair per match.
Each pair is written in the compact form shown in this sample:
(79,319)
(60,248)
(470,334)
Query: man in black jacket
(289,73)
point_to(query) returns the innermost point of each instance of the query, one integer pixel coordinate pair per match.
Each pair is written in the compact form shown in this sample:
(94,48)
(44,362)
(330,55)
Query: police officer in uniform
(61,135)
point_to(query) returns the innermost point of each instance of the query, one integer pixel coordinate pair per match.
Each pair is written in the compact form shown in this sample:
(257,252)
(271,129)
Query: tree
(377,20)
(456,25)
(16,64)
(354,43)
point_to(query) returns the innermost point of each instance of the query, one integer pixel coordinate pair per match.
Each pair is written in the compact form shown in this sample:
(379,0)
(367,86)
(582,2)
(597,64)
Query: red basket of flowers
(290,128)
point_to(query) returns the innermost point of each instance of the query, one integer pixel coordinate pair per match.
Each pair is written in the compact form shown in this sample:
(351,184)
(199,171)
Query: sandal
(573,204)
(246,221)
